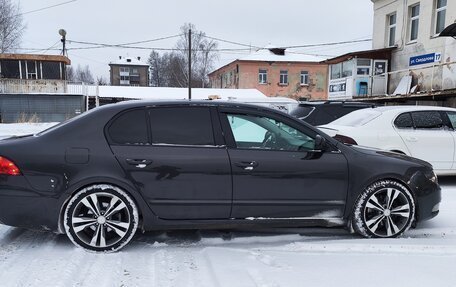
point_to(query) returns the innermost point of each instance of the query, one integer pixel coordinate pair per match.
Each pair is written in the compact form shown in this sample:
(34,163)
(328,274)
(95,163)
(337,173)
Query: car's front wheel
(385,209)
(101,218)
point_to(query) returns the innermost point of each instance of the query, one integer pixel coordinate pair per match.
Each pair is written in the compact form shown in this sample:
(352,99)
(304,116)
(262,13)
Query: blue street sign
(425,59)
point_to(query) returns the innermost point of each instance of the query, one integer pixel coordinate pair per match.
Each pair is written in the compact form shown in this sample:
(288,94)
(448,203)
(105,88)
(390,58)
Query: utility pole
(62,33)
(189,64)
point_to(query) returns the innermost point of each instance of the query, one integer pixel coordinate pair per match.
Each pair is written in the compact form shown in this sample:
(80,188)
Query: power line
(327,44)
(124,44)
(232,42)
(45,8)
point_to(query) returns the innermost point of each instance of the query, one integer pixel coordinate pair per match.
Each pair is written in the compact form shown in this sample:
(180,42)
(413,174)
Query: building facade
(275,73)
(128,71)
(423,63)
(34,88)
(359,74)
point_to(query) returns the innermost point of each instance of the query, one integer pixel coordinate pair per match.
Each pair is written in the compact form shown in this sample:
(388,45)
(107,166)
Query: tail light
(345,139)
(8,167)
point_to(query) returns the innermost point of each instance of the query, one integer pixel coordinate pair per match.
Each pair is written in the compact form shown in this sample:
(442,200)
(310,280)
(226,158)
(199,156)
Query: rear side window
(404,121)
(181,126)
(452,118)
(130,128)
(427,120)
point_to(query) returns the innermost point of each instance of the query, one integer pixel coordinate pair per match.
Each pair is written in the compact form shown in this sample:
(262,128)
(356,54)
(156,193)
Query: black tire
(386,209)
(101,218)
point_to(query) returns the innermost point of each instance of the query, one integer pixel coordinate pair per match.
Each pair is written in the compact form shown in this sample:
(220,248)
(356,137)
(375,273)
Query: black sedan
(185,164)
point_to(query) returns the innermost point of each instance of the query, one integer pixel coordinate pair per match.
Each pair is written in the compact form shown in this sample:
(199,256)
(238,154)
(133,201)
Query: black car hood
(379,152)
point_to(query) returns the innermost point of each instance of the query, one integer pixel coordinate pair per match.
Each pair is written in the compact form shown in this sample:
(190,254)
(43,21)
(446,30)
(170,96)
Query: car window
(130,128)
(452,117)
(427,120)
(256,132)
(181,126)
(404,121)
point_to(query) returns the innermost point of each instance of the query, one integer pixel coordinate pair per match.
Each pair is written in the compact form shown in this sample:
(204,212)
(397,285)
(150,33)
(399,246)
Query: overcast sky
(253,22)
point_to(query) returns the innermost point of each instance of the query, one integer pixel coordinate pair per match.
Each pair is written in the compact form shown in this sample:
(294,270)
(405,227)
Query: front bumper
(428,196)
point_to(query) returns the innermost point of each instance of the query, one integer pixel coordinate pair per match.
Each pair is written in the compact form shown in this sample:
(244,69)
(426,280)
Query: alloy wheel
(101,218)
(387,212)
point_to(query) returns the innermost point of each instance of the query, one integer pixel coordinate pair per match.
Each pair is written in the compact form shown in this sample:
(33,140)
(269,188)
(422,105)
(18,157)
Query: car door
(452,120)
(179,162)
(277,173)
(430,139)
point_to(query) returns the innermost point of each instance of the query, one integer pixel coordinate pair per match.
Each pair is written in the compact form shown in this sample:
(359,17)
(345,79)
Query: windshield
(357,118)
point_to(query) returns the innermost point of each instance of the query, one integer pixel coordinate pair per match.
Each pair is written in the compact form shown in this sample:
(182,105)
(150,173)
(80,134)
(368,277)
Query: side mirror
(320,143)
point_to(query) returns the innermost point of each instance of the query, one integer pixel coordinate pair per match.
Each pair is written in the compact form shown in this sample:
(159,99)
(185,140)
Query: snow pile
(9,130)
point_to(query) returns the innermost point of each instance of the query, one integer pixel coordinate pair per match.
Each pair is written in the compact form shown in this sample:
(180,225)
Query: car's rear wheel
(101,218)
(385,209)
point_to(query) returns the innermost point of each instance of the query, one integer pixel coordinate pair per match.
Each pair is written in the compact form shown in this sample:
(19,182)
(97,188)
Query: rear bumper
(21,206)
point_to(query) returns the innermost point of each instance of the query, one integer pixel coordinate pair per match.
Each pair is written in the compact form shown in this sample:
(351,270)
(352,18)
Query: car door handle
(411,139)
(247,165)
(139,162)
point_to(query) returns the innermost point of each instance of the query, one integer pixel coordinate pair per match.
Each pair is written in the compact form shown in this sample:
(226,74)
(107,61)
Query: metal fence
(428,79)
(39,108)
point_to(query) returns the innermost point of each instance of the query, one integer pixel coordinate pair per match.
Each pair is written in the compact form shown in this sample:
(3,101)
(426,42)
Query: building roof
(384,53)
(272,53)
(129,61)
(162,93)
(276,54)
(36,57)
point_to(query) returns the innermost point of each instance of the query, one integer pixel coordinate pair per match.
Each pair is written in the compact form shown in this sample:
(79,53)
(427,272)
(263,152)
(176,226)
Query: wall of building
(143,74)
(244,75)
(425,76)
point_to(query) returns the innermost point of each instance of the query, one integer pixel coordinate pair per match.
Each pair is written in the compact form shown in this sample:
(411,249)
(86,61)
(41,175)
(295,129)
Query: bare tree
(70,74)
(171,69)
(158,69)
(203,55)
(101,81)
(11,26)
(83,75)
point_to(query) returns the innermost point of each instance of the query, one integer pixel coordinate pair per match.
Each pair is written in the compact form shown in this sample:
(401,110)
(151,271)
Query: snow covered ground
(291,257)
(425,256)
(8,130)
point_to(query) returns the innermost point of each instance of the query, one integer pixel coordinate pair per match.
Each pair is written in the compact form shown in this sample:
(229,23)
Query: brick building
(275,72)
(128,71)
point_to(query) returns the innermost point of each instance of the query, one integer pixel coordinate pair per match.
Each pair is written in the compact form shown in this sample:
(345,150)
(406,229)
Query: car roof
(149,103)
(410,108)
(327,103)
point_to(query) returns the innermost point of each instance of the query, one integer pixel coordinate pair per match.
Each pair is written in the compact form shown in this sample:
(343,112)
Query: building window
(124,71)
(283,77)
(32,73)
(347,68)
(414,21)
(336,70)
(262,76)
(134,71)
(440,13)
(125,80)
(304,78)
(392,19)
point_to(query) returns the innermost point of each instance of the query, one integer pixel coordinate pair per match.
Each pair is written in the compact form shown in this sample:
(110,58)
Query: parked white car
(424,132)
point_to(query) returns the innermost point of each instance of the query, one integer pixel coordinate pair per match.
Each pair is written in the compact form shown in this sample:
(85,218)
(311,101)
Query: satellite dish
(62,32)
